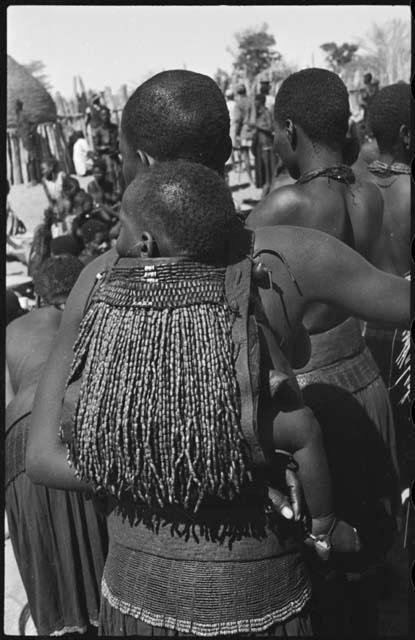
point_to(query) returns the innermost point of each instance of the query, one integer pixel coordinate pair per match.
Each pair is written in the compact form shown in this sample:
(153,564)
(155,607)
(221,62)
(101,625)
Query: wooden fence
(53,140)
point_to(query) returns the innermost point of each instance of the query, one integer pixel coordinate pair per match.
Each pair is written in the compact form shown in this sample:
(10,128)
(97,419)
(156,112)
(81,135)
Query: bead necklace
(341,173)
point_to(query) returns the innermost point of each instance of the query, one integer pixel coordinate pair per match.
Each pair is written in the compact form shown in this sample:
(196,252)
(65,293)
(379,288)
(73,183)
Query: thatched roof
(21,85)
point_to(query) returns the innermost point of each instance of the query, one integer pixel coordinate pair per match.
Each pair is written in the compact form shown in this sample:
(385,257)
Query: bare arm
(299,433)
(46,461)
(339,276)
(328,271)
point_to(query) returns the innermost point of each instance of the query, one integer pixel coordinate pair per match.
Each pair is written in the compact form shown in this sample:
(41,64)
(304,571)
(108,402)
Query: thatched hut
(40,107)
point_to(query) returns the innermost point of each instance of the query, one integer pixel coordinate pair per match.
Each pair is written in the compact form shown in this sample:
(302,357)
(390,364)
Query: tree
(255,53)
(338,56)
(37,69)
(385,52)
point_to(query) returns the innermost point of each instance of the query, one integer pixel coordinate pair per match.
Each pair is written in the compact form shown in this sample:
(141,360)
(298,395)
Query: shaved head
(179,114)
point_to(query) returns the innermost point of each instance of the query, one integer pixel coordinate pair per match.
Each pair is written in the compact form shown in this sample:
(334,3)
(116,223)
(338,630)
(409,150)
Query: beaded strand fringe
(158,416)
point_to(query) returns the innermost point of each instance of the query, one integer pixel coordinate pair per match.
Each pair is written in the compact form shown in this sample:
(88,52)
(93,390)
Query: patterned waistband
(335,345)
(352,374)
(205,598)
(372,331)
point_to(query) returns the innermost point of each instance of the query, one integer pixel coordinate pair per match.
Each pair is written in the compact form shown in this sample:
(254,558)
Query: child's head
(94,231)
(64,246)
(49,167)
(56,277)
(70,186)
(99,169)
(83,203)
(177,208)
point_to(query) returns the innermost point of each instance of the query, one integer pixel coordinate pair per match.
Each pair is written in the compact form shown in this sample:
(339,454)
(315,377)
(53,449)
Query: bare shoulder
(278,207)
(78,297)
(369,192)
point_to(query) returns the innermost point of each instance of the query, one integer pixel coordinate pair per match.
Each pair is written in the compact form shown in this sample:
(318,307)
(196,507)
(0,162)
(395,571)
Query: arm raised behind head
(46,457)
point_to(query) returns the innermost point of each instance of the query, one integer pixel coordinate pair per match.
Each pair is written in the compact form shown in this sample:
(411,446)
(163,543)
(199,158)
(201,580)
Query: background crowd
(84,183)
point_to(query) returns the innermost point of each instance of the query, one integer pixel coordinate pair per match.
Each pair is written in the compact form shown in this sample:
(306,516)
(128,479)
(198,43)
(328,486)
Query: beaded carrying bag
(169,359)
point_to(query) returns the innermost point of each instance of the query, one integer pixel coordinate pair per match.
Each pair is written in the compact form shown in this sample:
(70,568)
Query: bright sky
(109,46)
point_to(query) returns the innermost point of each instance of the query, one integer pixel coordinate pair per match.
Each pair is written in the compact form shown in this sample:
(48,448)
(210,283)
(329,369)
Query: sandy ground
(29,203)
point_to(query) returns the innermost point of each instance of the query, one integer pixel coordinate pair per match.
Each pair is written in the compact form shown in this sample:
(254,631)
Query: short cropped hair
(189,203)
(317,100)
(56,277)
(64,245)
(90,228)
(389,110)
(179,114)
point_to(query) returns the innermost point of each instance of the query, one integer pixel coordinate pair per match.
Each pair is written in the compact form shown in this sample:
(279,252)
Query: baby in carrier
(180,373)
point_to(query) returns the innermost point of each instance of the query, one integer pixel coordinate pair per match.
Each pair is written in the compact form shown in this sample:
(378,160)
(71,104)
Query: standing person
(27,132)
(152,132)
(60,203)
(188,240)
(92,117)
(264,89)
(367,93)
(242,130)
(390,120)
(81,155)
(105,139)
(59,540)
(311,121)
(262,146)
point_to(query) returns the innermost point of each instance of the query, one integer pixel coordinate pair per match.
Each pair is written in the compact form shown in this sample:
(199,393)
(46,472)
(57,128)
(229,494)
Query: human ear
(148,246)
(145,159)
(405,136)
(291,133)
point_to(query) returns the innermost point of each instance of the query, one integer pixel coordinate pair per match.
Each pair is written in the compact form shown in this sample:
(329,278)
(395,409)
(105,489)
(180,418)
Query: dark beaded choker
(385,170)
(341,173)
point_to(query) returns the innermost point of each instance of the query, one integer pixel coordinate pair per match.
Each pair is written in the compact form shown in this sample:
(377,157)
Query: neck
(317,157)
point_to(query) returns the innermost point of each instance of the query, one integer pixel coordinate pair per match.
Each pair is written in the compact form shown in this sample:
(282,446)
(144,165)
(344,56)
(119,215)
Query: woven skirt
(114,623)
(60,543)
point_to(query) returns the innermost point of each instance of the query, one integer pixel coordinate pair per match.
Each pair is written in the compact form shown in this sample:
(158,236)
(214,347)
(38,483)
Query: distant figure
(262,145)
(230,102)
(59,540)
(241,128)
(101,189)
(26,130)
(81,155)
(96,240)
(92,113)
(40,249)
(367,93)
(85,209)
(265,88)
(105,139)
